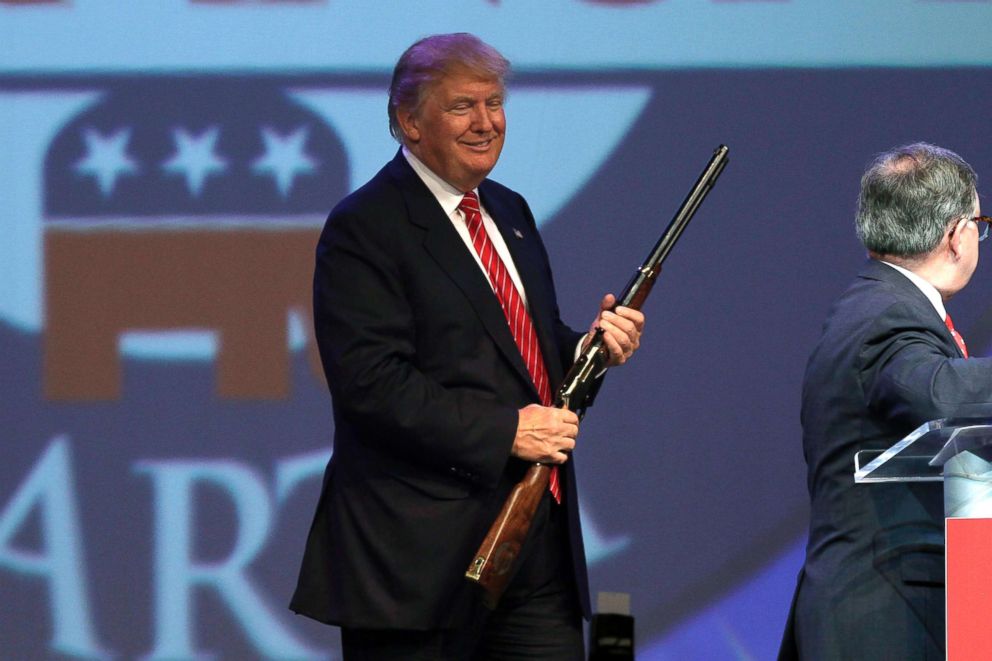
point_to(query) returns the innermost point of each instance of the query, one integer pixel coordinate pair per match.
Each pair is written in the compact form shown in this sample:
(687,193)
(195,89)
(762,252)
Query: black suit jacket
(872,583)
(426,381)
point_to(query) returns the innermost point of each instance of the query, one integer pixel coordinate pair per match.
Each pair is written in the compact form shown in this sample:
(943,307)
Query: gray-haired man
(888,360)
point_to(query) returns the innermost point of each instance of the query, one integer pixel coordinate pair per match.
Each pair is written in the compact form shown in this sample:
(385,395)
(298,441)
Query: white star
(106,159)
(284,158)
(195,157)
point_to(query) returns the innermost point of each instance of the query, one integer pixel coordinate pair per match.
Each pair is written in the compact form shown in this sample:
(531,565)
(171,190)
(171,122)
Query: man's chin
(480,169)
(483,163)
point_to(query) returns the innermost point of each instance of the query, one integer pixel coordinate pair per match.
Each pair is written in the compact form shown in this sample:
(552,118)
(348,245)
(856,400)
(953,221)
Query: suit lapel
(446,247)
(525,249)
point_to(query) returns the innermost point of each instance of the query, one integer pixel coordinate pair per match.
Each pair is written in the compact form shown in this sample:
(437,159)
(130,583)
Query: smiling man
(439,332)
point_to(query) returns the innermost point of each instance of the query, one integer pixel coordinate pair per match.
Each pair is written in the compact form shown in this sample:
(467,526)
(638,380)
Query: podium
(957,452)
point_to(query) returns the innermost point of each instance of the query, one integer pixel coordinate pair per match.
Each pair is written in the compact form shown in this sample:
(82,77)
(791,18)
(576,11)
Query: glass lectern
(957,451)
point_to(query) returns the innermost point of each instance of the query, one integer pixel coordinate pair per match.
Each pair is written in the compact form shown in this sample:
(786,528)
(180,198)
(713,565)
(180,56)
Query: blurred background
(166,166)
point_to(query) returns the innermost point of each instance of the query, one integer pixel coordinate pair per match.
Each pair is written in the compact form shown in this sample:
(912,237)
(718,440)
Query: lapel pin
(518,233)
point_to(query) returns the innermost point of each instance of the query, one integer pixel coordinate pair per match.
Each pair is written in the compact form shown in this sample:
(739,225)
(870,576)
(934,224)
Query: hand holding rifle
(544,434)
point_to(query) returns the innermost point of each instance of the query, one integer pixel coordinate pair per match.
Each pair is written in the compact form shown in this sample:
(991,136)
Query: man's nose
(482,120)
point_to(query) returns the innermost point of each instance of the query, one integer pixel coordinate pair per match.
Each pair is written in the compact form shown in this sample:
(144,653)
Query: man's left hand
(621,330)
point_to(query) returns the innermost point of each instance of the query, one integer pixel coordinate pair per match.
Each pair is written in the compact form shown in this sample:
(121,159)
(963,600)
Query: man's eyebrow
(462,98)
(470,100)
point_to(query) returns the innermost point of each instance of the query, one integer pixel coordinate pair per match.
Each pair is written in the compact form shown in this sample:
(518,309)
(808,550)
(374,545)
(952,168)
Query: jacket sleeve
(909,372)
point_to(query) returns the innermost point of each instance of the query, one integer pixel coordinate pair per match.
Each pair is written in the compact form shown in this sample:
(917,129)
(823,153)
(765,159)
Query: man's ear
(408,125)
(955,237)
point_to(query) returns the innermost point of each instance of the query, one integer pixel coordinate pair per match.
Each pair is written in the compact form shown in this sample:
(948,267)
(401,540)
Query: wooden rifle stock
(495,562)
(496,558)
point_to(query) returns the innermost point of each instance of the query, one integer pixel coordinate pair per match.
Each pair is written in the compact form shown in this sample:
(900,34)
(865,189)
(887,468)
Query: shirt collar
(928,290)
(447,195)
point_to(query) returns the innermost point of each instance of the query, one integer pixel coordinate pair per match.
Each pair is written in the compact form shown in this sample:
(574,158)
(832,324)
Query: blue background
(167,520)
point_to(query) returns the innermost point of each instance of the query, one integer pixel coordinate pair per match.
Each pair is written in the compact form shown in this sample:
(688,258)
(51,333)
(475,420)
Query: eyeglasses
(983,223)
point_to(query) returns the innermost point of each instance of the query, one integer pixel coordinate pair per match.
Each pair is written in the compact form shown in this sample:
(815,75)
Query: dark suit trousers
(537,618)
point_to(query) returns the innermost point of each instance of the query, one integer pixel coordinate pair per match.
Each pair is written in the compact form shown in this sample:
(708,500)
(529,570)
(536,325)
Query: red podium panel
(969,588)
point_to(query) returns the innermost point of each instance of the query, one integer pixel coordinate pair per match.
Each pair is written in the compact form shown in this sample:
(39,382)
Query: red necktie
(520,323)
(956,335)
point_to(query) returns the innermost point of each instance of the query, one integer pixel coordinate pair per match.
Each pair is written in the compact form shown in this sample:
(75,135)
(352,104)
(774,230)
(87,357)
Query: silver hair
(430,59)
(909,197)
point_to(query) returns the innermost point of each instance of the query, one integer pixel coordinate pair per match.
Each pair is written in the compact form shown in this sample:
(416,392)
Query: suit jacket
(872,583)
(426,381)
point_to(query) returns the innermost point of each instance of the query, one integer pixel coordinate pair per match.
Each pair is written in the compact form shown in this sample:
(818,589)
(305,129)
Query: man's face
(458,130)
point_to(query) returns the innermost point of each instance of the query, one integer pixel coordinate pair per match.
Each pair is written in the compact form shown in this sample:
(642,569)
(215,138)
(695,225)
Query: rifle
(492,566)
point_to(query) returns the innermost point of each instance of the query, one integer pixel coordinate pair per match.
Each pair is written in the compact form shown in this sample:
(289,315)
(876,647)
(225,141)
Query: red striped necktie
(517,317)
(956,335)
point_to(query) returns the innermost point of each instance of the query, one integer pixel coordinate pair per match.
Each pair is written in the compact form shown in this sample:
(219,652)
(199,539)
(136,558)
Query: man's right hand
(545,434)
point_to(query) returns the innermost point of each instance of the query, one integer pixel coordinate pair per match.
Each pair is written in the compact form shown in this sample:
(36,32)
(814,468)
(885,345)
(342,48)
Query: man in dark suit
(888,360)
(439,404)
